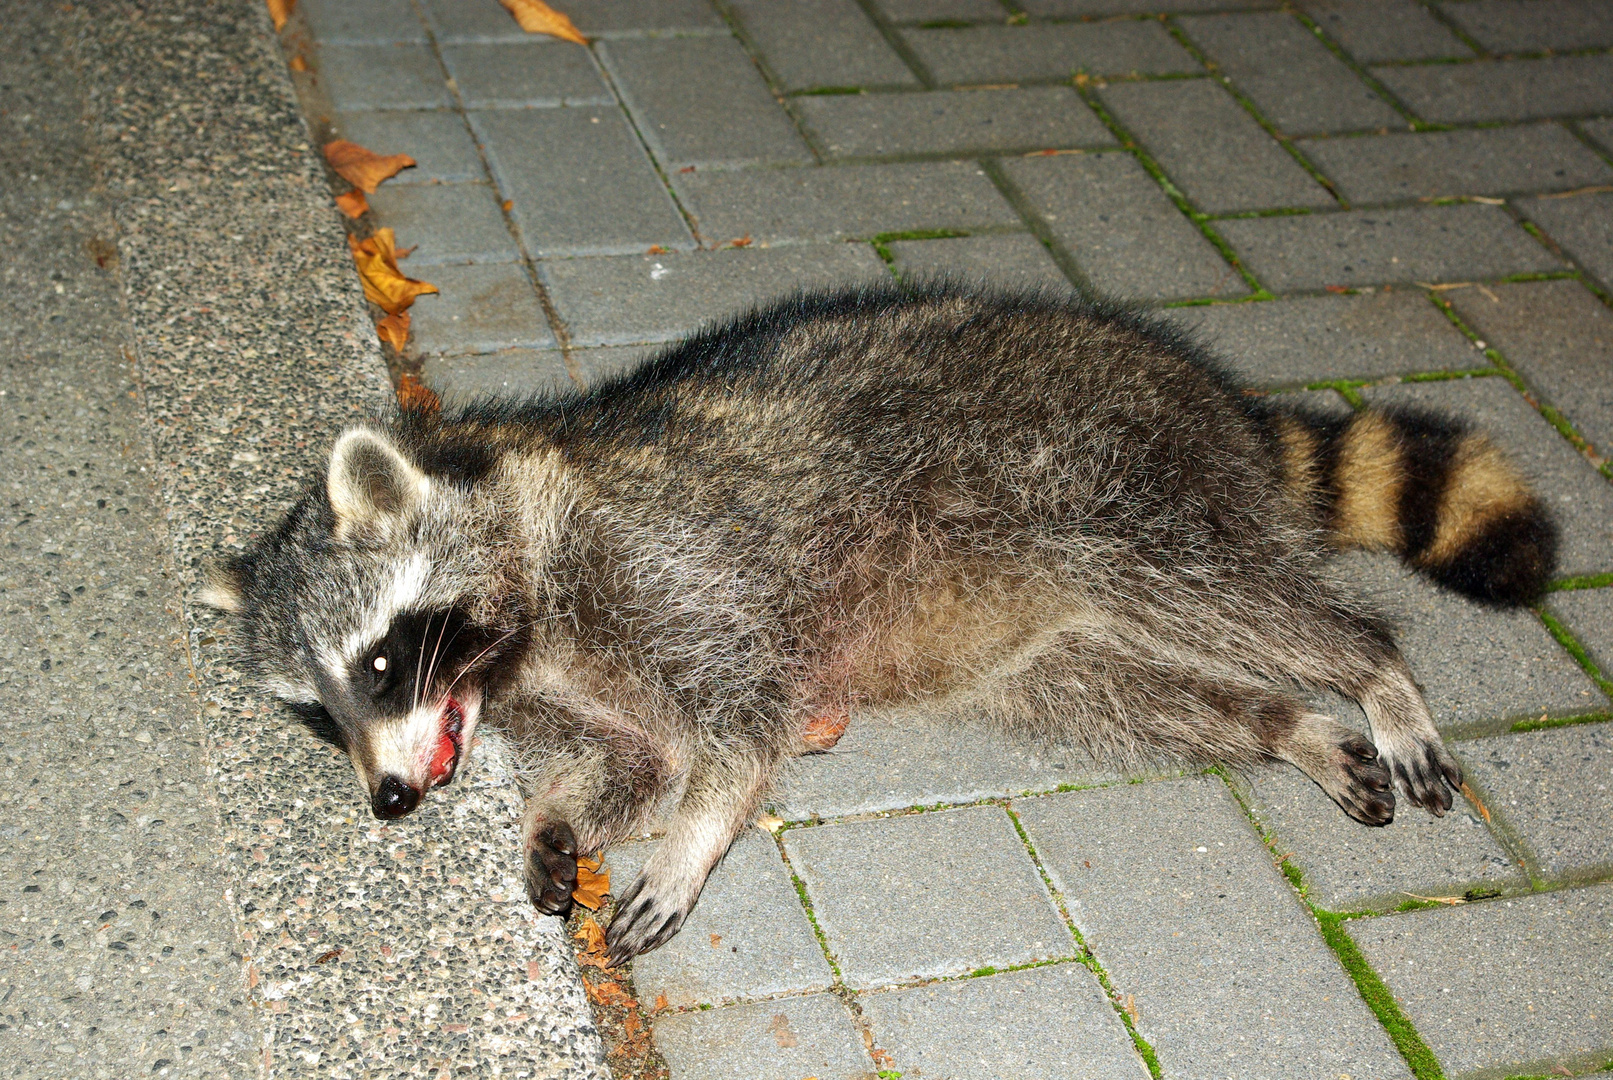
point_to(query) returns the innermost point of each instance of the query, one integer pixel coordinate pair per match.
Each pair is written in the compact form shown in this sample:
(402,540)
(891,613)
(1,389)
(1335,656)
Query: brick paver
(579,206)
(1512,987)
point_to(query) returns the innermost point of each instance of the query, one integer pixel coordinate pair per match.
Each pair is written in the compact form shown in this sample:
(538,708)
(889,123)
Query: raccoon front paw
(551,868)
(1366,792)
(647,916)
(1425,771)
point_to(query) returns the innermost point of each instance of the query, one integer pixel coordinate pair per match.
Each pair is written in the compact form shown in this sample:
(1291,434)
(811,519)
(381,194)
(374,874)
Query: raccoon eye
(380,663)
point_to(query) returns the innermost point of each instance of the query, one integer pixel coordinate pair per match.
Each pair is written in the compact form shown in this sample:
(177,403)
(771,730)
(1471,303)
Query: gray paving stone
(1433,164)
(1054,51)
(952,122)
(1502,988)
(1131,7)
(439,142)
(479,309)
(597,365)
(891,762)
(1376,30)
(1179,901)
(1211,148)
(1349,867)
(1012,260)
(1504,89)
(1588,614)
(1601,131)
(783,205)
(618,18)
(362,22)
(1051,1023)
(747,938)
(509,373)
(1554,792)
(1582,225)
(701,101)
(1559,336)
(1579,497)
(634,299)
(1375,247)
(1479,668)
(813,43)
(542,72)
(923,11)
(460,22)
(1298,84)
(1124,232)
(450,223)
(1507,26)
(964,893)
(771,1040)
(580,182)
(1317,338)
(382,77)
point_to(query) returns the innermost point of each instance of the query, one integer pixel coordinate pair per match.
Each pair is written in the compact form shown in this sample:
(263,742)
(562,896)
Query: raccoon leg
(1408,742)
(719,799)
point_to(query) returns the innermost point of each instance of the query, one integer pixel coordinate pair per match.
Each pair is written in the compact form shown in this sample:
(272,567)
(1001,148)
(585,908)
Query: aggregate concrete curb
(405,948)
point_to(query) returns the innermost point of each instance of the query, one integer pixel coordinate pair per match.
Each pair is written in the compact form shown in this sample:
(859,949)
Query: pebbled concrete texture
(1179,902)
(773,1040)
(1049,1023)
(1503,988)
(1311,339)
(1554,792)
(968,894)
(749,937)
(249,358)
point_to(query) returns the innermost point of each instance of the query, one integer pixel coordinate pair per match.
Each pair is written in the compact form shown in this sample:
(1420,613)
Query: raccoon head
(377,612)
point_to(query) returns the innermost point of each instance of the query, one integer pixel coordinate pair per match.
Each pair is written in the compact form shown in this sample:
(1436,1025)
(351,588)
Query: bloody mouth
(445,761)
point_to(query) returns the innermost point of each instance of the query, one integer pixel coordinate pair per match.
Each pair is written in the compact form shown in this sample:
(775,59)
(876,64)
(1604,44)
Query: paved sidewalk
(1355,200)
(1358,200)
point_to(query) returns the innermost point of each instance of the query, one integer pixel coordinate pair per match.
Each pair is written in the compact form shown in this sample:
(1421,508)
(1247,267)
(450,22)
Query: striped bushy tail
(1430,489)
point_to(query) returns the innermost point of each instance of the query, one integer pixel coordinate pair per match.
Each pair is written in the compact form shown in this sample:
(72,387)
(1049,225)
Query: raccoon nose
(394,798)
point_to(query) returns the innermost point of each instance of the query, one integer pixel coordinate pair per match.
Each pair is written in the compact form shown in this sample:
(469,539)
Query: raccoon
(1057,514)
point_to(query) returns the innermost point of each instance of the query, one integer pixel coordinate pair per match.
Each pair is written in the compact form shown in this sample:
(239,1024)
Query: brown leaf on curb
(593,938)
(385,286)
(536,17)
(364,169)
(394,330)
(607,993)
(280,11)
(352,203)
(414,394)
(298,63)
(593,882)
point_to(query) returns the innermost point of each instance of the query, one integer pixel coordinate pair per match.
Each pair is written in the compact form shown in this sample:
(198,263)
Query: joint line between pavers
(1550,244)
(1583,581)
(1130,143)
(1214,71)
(812,916)
(1564,426)
(1368,983)
(1506,834)
(898,44)
(551,315)
(1360,71)
(775,85)
(1084,955)
(1568,641)
(1573,127)
(1039,228)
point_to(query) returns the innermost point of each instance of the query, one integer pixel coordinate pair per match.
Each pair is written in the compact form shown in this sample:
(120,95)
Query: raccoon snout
(394,798)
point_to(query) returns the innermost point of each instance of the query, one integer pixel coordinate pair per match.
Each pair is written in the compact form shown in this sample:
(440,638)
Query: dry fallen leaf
(1437,899)
(536,17)
(822,732)
(414,394)
(593,882)
(352,203)
(593,938)
(364,169)
(607,993)
(385,286)
(660,1002)
(280,11)
(298,63)
(394,330)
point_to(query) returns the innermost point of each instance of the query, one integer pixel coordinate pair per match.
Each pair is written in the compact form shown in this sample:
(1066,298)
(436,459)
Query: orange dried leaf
(352,203)
(384,284)
(298,63)
(280,11)
(822,732)
(593,882)
(607,993)
(593,938)
(364,169)
(536,17)
(394,330)
(414,394)
(660,1002)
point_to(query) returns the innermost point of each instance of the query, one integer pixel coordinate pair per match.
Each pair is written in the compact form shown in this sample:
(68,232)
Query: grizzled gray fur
(934,500)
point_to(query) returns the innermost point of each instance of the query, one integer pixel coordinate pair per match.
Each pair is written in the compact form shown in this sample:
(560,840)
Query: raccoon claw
(1368,795)
(643,922)
(1429,776)
(552,868)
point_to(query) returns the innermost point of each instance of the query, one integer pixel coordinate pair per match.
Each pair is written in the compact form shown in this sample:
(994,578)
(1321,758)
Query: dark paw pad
(551,868)
(1367,795)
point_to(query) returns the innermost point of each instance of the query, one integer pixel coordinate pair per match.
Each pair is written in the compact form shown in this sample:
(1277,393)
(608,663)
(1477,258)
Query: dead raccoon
(1042,510)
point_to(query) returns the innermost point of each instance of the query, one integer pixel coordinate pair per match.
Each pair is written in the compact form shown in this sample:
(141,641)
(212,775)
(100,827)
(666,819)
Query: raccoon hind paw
(551,868)
(1362,786)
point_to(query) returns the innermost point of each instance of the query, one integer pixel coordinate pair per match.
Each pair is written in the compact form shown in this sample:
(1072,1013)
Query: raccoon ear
(370,480)
(224,585)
